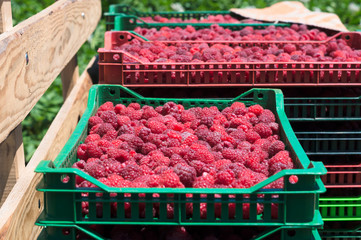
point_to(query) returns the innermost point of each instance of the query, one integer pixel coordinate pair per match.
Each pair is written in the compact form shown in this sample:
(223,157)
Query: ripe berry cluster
(217,33)
(158,52)
(170,146)
(208,19)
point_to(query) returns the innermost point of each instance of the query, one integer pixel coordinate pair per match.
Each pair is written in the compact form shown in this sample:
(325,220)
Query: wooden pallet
(32,55)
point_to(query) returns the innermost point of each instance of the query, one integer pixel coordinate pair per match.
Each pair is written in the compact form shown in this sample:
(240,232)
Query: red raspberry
(111,166)
(256,109)
(170,179)
(267,116)
(186,174)
(188,116)
(123,120)
(135,115)
(222,163)
(232,154)
(94,120)
(104,145)
(131,172)
(175,135)
(214,138)
(263,130)
(289,48)
(93,151)
(154,181)
(148,147)
(190,139)
(95,169)
(82,152)
(239,134)
(110,135)
(146,170)
(238,105)
(225,177)
(281,157)
(274,126)
(108,106)
(80,164)
(135,106)
(156,127)
(118,154)
(198,166)
(276,147)
(119,108)
(109,117)
(114,180)
(252,136)
(175,159)
(149,112)
(203,156)
(204,181)
(104,128)
(247,178)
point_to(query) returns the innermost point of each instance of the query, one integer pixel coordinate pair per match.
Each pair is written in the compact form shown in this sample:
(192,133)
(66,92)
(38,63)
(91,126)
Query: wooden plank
(12,162)
(24,204)
(35,51)
(69,76)
(12,149)
(6,19)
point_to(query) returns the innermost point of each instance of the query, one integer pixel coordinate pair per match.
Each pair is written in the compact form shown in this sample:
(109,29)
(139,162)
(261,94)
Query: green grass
(38,121)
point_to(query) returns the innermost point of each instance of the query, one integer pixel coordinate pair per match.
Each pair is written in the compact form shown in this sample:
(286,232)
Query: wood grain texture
(69,76)
(12,162)
(6,18)
(49,39)
(24,204)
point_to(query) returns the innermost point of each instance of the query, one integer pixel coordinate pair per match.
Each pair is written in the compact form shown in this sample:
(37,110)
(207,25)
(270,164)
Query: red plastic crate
(112,69)
(342,176)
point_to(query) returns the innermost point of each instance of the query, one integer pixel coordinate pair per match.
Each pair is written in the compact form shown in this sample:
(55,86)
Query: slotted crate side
(70,232)
(306,192)
(115,68)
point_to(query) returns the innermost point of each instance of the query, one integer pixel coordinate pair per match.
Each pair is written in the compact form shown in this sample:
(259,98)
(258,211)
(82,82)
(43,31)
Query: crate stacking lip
(341,234)
(345,177)
(123,17)
(297,203)
(65,232)
(114,70)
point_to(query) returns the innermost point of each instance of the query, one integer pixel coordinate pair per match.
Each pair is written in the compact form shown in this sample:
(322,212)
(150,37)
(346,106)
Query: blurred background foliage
(40,118)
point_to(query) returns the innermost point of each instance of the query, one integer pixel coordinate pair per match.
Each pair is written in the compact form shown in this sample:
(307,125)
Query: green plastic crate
(341,234)
(323,109)
(67,232)
(305,193)
(122,17)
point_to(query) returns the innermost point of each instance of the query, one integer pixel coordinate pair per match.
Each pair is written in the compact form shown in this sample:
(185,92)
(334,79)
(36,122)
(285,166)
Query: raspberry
(264,144)
(214,138)
(95,169)
(188,116)
(256,109)
(244,145)
(175,159)
(267,116)
(104,128)
(263,130)
(123,120)
(225,177)
(114,180)
(118,154)
(110,135)
(203,156)
(186,174)
(109,117)
(198,166)
(93,151)
(238,135)
(131,172)
(232,154)
(276,147)
(222,163)
(111,166)
(108,106)
(189,139)
(119,108)
(156,127)
(238,105)
(135,115)
(135,106)
(289,48)
(170,179)
(143,133)
(154,181)
(94,120)
(204,181)
(149,112)
(274,126)
(252,136)
(148,147)
(82,152)
(146,170)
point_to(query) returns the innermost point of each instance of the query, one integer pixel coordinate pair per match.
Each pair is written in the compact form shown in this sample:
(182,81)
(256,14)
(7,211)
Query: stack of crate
(314,121)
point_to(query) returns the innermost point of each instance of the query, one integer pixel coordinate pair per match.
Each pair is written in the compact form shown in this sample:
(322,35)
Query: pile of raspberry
(172,147)
(208,19)
(160,52)
(217,33)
